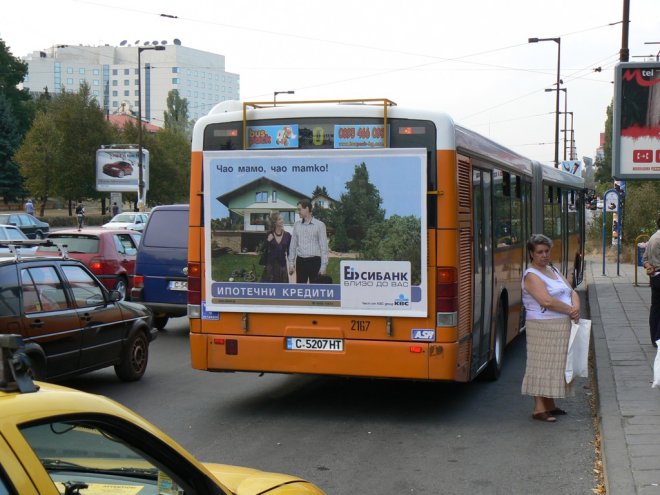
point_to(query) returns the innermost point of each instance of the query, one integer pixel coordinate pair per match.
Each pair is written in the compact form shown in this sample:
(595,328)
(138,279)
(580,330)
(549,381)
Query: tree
(40,157)
(11,182)
(176,115)
(358,208)
(12,73)
(84,129)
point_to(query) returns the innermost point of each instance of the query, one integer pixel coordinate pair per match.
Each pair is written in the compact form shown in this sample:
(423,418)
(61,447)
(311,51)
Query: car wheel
(160,322)
(121,286)
(134,358)
(494,368)
(120,174)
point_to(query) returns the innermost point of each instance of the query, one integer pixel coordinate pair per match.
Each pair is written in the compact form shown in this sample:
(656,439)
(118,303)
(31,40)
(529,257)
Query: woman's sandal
(544,416)
(557,412)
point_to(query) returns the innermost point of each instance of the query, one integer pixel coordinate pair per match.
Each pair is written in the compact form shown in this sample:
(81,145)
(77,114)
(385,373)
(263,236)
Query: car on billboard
(119,169)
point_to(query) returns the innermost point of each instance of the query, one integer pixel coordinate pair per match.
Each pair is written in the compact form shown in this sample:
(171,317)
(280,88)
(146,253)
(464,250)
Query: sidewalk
(629,407)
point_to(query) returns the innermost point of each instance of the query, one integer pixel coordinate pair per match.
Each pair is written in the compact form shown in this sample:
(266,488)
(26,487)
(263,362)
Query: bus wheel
(494,368)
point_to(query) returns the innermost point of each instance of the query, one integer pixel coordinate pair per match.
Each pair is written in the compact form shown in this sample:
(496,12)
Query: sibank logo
(422,334)
(402,301)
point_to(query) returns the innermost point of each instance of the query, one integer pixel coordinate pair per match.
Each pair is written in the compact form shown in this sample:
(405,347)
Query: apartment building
(112,74)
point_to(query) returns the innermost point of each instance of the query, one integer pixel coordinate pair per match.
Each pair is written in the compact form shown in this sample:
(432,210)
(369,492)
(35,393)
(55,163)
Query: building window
(136,103)
(114,72)
(69,81)
(127,93)
(136,71)
(81,71)
(261,197)
(69,70)
(126,82)
(95,82)
(137,92)
(127,72)
(115,104)
(175,70)
(175,80)
(114,82)
(115,93)
(95,72)
(95,92)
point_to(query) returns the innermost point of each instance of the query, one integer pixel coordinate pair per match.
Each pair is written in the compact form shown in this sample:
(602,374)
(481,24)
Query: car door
(103,326)
(49,318)
(127,252)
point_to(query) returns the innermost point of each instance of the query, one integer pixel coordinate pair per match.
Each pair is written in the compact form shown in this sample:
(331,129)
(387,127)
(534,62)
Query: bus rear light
(138,281)
(446,296)
(194,284)
(231,347)
(416,349)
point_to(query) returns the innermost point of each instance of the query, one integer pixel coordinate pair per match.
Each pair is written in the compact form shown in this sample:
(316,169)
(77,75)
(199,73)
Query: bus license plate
(312,344)
(178,285)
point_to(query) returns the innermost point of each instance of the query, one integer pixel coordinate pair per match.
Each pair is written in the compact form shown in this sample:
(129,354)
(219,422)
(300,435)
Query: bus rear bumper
(386,359)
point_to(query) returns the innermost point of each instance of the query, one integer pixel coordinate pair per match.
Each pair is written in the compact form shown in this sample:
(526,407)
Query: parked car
(161,268)
(11,233)
(118,169)
(69,321)
(31,226)
(54,439)
(132,221)
(109,254)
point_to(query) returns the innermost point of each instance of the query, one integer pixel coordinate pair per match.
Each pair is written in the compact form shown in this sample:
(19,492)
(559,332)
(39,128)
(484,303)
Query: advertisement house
(368,227)
(636,129)
(117,170)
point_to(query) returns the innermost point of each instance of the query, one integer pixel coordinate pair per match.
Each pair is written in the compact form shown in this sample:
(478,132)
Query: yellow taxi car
(60,441)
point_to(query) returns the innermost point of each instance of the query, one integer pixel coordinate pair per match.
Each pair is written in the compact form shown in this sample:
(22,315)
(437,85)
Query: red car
(118,169)
(109,254)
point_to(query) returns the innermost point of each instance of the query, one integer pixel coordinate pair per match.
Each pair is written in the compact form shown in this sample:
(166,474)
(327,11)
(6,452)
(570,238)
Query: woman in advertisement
(276,251)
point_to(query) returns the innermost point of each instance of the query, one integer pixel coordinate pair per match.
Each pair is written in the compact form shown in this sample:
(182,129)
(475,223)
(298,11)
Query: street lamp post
(565,90)
(558,41)
(275,93)
(140,166)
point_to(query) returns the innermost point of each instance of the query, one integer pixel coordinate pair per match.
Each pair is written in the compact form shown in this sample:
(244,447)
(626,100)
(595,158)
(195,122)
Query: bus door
(483,267)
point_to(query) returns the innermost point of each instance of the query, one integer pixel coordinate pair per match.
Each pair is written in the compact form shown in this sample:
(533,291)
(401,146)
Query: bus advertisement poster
(369,207)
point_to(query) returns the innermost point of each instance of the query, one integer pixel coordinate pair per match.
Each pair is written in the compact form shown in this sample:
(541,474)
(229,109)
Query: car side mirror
(115,296)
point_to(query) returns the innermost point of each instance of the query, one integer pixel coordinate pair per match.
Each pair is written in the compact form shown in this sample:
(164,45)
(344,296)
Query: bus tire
(494,367)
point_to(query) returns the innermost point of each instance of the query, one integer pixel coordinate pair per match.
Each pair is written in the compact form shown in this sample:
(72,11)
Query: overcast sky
(470,58)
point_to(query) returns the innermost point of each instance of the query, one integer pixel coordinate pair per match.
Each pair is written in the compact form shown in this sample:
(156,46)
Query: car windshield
(75,243)
(124,218)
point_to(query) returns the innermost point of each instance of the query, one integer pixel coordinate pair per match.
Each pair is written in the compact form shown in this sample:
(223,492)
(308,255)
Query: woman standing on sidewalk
(651,261)
(550,305)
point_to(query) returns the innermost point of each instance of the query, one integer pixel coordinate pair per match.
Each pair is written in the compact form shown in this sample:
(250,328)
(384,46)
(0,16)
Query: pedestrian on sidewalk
(651,259)
(80,213)
(29,207)
(551,304)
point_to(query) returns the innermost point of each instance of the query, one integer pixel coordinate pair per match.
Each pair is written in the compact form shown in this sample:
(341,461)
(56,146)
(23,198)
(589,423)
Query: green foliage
(40,157)
(357,210)
(396,239)
(641,209)
(176,115)
(12,73)
(11,182)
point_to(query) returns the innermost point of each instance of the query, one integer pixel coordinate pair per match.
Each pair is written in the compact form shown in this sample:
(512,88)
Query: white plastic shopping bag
(577,358)
(656,367)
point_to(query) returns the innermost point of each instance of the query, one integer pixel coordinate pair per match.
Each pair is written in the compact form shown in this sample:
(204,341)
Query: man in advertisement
(308,252)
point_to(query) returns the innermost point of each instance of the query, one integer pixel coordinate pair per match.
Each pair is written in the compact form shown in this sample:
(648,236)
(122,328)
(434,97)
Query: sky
(470,58)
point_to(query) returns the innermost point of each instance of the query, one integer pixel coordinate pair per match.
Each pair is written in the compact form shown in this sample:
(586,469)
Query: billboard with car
(117,170)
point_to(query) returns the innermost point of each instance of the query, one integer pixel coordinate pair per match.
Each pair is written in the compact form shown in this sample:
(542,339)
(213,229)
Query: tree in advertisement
(11,182)
(358,209)
(40,158)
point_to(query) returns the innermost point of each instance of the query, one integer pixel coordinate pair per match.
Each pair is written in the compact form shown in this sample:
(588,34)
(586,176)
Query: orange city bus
(426,224)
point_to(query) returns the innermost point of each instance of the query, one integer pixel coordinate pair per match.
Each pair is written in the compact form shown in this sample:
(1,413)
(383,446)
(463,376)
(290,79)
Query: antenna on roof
(164,42)
(136,42)
(146,43)
(123,43)
(177,41)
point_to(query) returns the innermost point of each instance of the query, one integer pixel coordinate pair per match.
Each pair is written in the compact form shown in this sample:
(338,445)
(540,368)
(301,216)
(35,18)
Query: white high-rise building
(111,72)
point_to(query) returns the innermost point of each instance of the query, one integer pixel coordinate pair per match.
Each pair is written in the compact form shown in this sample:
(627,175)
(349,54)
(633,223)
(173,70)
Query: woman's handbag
(577,358)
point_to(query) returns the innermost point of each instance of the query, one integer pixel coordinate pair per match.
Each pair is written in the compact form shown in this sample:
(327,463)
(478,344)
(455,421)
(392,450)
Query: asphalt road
(360,436)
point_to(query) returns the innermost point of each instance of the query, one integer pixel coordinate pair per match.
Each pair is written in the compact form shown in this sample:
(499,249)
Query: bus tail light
(194,290)
(138,281)
(446,291)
